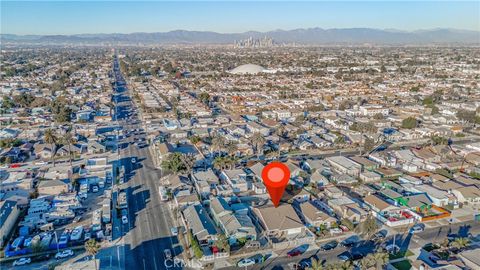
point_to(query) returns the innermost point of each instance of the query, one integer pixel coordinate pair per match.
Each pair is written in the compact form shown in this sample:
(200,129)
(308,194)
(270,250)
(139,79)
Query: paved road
(147,233)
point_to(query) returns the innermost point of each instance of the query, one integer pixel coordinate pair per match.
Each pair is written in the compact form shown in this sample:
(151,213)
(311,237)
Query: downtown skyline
(91,17)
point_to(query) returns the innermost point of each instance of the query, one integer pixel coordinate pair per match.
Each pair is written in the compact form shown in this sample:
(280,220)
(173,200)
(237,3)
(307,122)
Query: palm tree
(380,259)
(51,138)
(316,265)
(218,143)
(231,148)
(92,247)
(69,140)
(222,243)
(340,266)
(460,243)
(219,163)
(258,141)
(281,131)
(369,226)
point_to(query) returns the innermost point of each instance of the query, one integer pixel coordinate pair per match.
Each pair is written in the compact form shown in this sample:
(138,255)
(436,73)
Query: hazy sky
(68,17)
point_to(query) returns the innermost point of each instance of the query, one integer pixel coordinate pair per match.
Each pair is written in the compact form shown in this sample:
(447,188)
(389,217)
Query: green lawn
(401,254)
(402,265)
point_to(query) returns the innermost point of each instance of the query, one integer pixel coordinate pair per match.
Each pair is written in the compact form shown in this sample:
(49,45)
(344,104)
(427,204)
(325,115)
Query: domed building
(248,69)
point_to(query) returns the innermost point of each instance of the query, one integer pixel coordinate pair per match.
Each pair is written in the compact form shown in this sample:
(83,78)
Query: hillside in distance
(310,36)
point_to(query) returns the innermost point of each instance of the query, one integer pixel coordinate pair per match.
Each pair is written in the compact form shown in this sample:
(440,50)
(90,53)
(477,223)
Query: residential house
(235,225)
(236,178)
(278,221)
(314,217)
(467,195)
(344,165)
(196,220)
(204,182)
(9,214)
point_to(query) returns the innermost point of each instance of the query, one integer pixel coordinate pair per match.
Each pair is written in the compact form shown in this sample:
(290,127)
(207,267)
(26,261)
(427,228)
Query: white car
(95,189)
(245,262)
(22,261)
(174,231)
(392,248)
(64,254)
(124,220)
(134,160)
(417,228)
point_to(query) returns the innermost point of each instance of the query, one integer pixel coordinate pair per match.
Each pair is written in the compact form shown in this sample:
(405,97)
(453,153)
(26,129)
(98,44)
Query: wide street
(141,242)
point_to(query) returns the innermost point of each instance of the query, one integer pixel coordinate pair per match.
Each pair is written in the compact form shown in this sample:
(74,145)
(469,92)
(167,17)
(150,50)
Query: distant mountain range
(310,36)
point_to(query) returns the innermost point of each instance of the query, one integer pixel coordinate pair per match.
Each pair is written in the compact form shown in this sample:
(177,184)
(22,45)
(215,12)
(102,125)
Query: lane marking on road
(144,266)
(155,262)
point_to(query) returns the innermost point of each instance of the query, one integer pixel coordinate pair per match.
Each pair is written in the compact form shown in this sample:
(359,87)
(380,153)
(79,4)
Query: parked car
(350,241)
(392,248)
(345,256)
(417,228)
(380,235)
(41,258)
(245,262)
(330,245)
(134,160)
(95,189)
(294,253)
(124,220)
(174,231)
(64,254)
(357,256)
(22,261)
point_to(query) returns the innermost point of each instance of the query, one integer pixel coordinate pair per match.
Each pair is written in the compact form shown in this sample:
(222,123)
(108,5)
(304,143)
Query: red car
(294,253)
(15,165)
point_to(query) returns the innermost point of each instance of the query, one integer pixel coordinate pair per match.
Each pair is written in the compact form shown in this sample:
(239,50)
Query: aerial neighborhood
(159,153)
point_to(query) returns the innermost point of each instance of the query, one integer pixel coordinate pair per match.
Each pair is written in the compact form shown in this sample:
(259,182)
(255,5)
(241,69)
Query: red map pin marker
(275,177)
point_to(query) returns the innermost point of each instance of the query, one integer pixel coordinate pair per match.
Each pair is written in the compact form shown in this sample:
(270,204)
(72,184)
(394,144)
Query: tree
(231,148)
(258,141)
(69,140)
(218,143)
(92,248)
(7,103)
(466,115)
(380,258)
(439,140)
(195,245)
(368,145)
(316,265)
(194,139)
(51,138)
(340,140)
(219,163)
(369,226)
(37,247)
(409,123)
(177,162)
(204,97)
(222,243)
(61,111)
(460,243)
(378,116)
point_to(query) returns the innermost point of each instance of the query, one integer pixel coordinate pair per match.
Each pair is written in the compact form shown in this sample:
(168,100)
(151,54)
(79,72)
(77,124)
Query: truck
(97,220)
(106,213)
(122,200)
(163,193)
(77,233)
